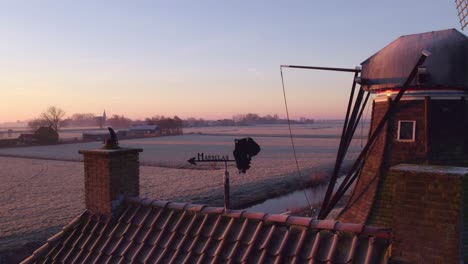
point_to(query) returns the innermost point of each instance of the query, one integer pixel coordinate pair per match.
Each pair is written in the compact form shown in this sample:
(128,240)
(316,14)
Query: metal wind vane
(201,157)
(244,150)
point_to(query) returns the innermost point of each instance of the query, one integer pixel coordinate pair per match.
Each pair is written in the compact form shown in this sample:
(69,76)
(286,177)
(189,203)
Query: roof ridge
(155,231)
(308,222)
(428,32)
(411,35)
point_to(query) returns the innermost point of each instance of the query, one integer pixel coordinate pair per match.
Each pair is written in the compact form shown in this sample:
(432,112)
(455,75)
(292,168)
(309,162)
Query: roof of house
(45,128)
(150,231)
(446,67)
(144,127)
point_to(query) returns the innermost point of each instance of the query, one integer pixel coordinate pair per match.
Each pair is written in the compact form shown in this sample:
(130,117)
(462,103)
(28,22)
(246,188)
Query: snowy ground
(323,130)
(43,192)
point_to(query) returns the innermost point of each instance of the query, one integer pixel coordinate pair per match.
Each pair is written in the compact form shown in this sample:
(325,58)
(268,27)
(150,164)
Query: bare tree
(36,123)
(117,121)
(53,116)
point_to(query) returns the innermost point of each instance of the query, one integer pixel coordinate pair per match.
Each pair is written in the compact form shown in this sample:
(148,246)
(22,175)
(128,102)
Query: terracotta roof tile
(233,213)
(102,259)
(140,218)
(212,210)
(156,203)
(91,257)
(343,248)
(294,242)
(152,218)
(309,246)
(177,206)
(296,220)
(253,215)
(276,218)
(150,231)
(146,202)
(194,207)
(141,252)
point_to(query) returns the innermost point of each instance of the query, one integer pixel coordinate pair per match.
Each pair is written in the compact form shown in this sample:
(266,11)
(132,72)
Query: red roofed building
(120,227)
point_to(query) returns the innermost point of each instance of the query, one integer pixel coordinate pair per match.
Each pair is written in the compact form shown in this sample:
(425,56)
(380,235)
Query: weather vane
(244,150)
(112,142)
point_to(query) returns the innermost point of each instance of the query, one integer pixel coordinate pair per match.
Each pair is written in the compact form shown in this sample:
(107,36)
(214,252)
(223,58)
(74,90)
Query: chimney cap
(102,151)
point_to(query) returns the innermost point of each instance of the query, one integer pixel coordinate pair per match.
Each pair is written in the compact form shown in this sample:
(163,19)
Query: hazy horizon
(210,59)
(24,122)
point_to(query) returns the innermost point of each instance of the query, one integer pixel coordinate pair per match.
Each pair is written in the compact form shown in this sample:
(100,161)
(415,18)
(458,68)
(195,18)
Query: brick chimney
(110,175)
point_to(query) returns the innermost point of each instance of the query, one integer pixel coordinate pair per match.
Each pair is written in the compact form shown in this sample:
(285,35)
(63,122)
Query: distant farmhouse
(95,135)
(168,127)
(137,131)
(42,136)
(144,131)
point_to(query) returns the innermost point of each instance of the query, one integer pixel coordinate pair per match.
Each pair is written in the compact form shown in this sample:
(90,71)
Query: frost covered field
(41,188)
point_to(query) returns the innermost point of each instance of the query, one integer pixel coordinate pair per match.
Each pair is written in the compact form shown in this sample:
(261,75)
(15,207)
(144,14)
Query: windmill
(462,12)
(425,125)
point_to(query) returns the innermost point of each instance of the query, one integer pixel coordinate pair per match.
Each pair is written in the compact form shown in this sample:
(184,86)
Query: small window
(406,130)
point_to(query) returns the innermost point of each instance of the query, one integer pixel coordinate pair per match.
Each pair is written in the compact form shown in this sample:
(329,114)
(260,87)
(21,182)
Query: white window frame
(413,139)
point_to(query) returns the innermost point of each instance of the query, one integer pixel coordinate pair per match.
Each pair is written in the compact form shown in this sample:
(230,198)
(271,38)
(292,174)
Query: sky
(209,59)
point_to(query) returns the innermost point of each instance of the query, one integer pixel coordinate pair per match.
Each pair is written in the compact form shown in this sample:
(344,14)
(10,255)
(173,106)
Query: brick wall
(424,207)
(425,210)
(439,137)
(408,151)
(109,176)
(385,152)
(362,197)
(447,132)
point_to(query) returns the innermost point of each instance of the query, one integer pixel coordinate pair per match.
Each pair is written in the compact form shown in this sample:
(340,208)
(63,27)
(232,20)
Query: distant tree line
(54,117)
(255,119)
(81,120)
(120,121)
(172,126)
(244,120)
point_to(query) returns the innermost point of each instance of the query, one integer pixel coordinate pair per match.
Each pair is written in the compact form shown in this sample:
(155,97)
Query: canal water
(294,200)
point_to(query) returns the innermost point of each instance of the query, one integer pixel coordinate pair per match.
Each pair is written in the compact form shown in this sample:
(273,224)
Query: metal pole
(321,68)
(338,160)
(226,187)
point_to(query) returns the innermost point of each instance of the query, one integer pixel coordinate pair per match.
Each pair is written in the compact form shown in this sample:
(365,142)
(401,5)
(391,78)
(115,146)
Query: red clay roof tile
(146,202)
(194,207)
(323,224)
(212,210)
(161,204)
(233,213)
(254,215)
(294,242)
(297,220)
(150,231)
(279,218)
(177,206)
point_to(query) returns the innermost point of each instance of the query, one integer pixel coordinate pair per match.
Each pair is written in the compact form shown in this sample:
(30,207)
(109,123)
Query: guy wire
(291,135)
